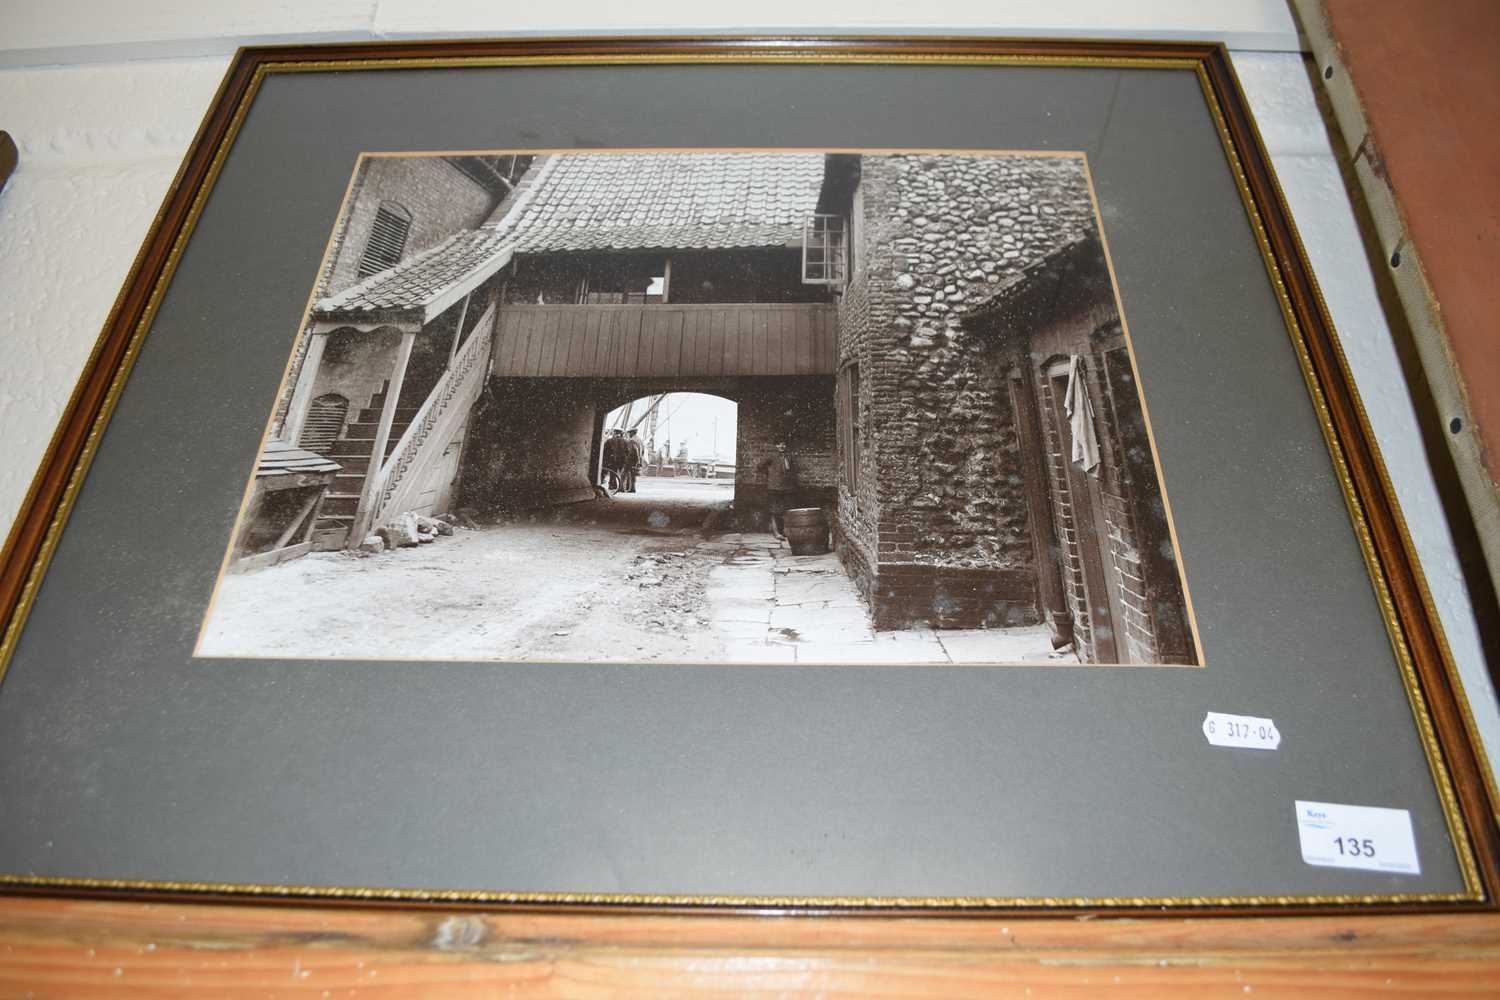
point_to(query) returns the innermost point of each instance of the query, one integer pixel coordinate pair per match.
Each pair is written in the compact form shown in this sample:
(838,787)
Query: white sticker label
(1336,836)
(1244,731)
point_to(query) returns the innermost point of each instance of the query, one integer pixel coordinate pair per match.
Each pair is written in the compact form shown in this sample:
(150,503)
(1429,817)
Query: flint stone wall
(942,232)
(940,486)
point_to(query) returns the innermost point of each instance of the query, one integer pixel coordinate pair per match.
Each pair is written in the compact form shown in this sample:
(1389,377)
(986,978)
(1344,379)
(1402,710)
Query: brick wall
(859,503)
(1156,626)
(796,409)
(532,441)
(1137,642)
(530,445)
(906,594)
(441,198)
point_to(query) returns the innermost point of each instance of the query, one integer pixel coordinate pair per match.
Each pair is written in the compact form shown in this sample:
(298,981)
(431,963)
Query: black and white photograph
(711,407)
(872,479)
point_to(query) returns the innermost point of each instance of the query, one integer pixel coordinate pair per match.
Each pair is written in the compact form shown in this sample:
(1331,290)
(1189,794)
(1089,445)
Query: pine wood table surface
(71,948)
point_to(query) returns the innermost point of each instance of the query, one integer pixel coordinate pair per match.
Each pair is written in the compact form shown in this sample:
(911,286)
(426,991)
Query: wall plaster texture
(100,142)
(85,31)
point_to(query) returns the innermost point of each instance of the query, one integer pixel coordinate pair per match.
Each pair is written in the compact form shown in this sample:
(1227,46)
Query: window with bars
(387,239)
(825,250)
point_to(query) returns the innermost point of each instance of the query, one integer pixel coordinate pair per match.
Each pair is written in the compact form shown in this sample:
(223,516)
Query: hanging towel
(1081,418)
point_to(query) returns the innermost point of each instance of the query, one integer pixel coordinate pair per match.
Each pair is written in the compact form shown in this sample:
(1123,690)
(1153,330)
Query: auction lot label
(1368,837)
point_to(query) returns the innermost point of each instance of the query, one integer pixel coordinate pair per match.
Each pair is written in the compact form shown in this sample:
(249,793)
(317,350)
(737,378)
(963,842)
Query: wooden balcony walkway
(665,341)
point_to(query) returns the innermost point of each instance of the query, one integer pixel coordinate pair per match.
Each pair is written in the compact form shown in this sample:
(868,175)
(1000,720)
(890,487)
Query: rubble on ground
(410,529)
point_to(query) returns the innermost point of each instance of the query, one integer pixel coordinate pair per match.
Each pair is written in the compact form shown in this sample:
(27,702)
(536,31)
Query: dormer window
(387,239)
(825,250)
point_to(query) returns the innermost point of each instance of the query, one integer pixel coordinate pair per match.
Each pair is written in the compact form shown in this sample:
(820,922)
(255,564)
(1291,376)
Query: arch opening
(677,446)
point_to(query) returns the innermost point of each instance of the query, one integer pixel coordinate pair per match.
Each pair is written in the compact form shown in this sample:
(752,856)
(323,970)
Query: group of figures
(623,452)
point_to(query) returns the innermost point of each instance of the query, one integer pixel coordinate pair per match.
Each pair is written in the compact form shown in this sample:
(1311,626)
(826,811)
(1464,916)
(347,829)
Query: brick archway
(535,442)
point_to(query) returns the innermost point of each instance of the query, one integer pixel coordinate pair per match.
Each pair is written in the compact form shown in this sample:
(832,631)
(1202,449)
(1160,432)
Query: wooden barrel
(807,530)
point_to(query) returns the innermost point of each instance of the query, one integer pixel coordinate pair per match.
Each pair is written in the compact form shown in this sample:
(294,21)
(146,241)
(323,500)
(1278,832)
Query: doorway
(1078,502)
(687,445)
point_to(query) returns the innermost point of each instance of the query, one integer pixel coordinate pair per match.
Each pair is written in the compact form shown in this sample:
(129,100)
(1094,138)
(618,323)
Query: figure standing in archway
(615,456)
(633,453)
(781,486)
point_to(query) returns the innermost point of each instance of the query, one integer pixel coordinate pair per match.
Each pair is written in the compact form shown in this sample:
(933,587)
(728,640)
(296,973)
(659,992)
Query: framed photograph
(678,418)
(914,474)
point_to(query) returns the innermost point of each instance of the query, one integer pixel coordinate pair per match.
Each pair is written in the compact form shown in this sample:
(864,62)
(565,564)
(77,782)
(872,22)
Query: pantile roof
(421,279)
(607,201)
(668,201)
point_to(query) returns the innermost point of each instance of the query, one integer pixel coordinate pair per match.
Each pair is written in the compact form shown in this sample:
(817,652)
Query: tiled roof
(610,201)
(282,459)
(669,201)
(420,279)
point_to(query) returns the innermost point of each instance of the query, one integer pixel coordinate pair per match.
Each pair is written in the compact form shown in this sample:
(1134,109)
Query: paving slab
(735,609)
(820,590)
(826,563)
(741,631)
(921,643)
(1026,644)
(837,635)
(725,583)
(818,622)
(769,606)
(749,560)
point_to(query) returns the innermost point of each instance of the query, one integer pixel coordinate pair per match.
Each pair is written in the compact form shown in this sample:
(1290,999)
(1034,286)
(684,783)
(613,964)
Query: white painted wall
(75,31)
(103,98)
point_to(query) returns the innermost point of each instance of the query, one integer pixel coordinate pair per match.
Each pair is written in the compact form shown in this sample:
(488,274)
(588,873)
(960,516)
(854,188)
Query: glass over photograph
(711,408)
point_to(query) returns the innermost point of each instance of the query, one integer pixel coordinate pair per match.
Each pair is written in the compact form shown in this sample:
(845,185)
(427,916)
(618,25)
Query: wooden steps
(352,452)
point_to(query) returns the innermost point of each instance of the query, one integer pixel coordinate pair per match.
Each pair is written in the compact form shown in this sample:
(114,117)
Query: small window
(824,250)
(856,443)
(324,423)
(387,239)
(848,399)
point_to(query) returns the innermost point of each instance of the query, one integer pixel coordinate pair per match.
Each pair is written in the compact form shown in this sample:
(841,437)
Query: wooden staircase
(352,452)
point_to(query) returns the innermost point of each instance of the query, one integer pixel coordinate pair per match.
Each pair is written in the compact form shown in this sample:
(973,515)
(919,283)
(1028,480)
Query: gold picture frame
(1440,715)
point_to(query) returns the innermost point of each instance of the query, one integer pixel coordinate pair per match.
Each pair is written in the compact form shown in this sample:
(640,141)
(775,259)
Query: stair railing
(455,384)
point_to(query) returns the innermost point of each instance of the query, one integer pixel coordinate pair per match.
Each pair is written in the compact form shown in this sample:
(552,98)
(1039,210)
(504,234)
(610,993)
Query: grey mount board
(123,758)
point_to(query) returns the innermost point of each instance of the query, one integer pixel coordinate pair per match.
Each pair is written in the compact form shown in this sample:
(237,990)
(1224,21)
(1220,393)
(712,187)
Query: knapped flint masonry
(935,335)
(974,281)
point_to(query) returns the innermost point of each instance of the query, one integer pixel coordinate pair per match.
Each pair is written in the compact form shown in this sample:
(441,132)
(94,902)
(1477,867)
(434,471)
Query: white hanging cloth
(1080,411)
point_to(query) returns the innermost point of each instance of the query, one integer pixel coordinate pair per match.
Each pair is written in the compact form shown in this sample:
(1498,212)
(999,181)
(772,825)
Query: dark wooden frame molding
(1433,684)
